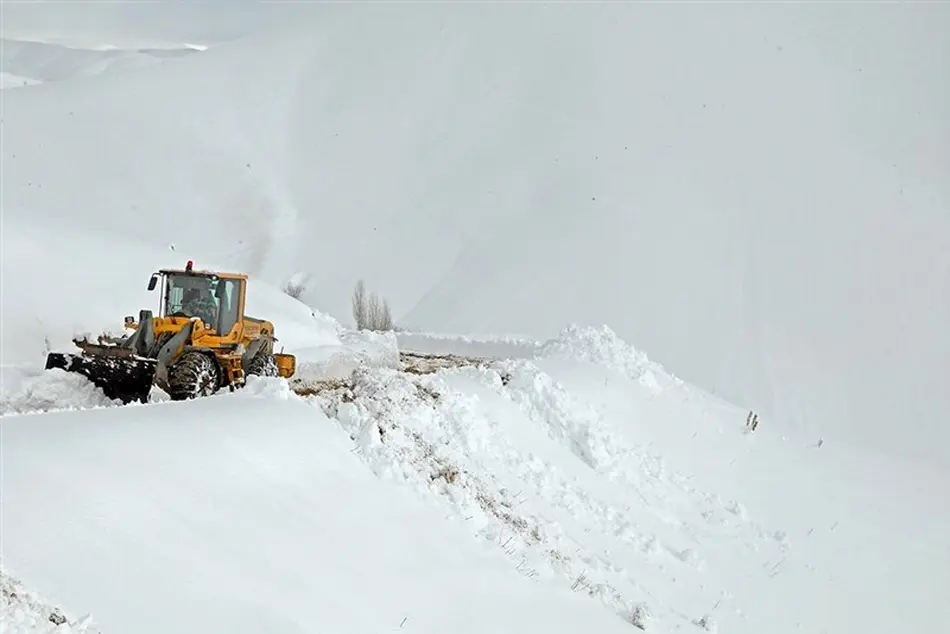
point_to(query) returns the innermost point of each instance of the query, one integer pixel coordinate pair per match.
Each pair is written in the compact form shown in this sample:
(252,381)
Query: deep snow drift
(587,467)
(246,514)
(755,195)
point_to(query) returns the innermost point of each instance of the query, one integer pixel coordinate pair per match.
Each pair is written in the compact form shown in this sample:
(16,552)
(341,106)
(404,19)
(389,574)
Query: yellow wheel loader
(201,341)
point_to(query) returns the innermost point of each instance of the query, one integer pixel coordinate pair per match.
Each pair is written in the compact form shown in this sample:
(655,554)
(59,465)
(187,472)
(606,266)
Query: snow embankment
(586,467)
(591,468)
(246,512)
(29,391)
(23,611)
(567,494)
(597,346)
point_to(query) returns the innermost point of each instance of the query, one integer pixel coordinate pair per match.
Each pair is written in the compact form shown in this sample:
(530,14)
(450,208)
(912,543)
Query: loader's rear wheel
(263,364)
(194,374)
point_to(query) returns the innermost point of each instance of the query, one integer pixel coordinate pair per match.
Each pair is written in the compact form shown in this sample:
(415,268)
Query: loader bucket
(126,378)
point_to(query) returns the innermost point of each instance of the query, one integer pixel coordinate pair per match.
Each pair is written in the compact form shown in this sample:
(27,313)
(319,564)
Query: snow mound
(245,513)
(602,346)
(23,611)
(48,391)
(356,349)
(271,387)
(496,346)
(541,475)
(567,419)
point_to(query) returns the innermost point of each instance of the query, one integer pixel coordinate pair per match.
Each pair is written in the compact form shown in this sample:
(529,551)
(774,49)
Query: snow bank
(568,420)
(584,479)
(596,345)
(548,480)
(246,512)
(657,505)
(496,346)
(23,611)
(22,393)
(356,349)
(602,346)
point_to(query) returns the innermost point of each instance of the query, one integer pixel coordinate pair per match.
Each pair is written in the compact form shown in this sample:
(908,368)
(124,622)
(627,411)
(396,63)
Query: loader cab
(215,298)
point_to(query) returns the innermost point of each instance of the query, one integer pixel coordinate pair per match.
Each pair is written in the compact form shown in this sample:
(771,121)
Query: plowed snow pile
(243,513)
(22,611)
(644,500)
(649,496)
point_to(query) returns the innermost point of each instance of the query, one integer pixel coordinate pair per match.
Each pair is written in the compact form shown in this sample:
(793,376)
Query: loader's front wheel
(263,364)
(192,375)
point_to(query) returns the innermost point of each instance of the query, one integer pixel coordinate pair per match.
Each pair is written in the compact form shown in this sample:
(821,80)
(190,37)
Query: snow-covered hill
(30,63)
(753,197)
(66,279)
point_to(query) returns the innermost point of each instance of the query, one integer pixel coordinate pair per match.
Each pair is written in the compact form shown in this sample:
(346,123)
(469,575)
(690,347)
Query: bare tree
(359,305)
(372,316)
(385,318)
(370,313)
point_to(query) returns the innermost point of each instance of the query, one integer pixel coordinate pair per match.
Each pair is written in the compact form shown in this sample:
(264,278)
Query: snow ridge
(424,433)
(602,346)
(558,461)
(540,474)
(568,420)
(50,390)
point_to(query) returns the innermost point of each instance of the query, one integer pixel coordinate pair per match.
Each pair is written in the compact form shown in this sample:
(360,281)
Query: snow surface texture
(493,170)
(764,211)
(22,611)
(656,502)
(247,512)
(656,505)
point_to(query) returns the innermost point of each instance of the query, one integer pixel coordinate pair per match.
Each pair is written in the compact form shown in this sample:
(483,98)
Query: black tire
(263,364)
(193,374)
